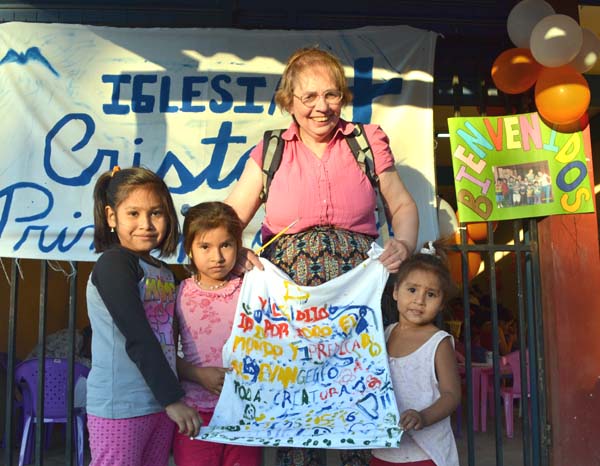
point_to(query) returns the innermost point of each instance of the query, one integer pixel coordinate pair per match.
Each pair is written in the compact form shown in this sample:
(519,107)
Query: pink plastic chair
(55,401)
(509,394)
(476,375)
(512,361)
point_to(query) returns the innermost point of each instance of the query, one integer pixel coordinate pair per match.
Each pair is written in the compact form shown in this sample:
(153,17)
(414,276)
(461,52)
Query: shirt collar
(343,128)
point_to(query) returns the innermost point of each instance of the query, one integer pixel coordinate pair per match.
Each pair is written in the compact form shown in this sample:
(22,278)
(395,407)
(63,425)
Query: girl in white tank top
(422,365)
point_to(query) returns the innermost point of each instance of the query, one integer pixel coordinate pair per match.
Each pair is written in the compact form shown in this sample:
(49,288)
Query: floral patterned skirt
(317,255)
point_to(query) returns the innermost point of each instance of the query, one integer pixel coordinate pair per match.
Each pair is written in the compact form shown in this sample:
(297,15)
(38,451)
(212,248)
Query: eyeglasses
(332,97)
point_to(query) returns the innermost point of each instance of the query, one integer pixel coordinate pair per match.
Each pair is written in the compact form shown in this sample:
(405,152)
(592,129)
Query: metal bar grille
(14,402)
(527,281)
(40,427)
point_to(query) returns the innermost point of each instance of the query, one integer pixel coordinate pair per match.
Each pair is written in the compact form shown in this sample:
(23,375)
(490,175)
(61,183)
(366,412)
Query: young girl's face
(214,253)
(419,297)
(140,221)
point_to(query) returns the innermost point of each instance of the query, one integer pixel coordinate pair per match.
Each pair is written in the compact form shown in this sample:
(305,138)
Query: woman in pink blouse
(321,187)
(320,184)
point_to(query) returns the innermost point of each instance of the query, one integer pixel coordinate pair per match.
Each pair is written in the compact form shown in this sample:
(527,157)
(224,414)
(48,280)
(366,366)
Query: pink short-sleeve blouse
(205,320)
(330,191)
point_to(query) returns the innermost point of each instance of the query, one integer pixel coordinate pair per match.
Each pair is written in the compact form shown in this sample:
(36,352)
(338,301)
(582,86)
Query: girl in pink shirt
(205,308)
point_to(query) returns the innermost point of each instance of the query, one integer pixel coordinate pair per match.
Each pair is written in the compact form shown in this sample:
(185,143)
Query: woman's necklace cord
(204,286)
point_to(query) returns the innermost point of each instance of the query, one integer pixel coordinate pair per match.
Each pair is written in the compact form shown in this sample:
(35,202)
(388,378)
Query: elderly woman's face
(316,123)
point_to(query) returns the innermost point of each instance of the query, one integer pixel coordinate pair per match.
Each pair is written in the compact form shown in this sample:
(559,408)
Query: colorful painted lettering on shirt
(309,366)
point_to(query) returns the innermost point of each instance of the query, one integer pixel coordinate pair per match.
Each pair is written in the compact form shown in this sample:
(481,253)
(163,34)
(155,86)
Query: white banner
(309,366)
(187,103)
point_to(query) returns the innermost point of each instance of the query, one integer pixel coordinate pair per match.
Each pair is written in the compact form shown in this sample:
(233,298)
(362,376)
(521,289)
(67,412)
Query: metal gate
(13,423)
(534,435)
(520,246)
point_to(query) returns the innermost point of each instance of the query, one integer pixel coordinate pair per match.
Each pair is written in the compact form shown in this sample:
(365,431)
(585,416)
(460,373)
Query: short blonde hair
(306,58)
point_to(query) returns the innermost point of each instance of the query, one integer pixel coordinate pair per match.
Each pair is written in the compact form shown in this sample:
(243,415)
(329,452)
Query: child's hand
(411,419)
(187,419)
(212,378)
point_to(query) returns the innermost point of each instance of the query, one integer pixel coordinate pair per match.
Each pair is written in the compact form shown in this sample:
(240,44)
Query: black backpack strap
(361,149)
(273,145)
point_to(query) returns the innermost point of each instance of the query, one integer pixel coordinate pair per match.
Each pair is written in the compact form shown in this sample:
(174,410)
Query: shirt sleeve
(116,276)
(380,145)
(256,153)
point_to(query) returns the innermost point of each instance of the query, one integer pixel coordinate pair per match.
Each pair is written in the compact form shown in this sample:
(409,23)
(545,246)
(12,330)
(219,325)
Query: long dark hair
(208,216)
(113,187)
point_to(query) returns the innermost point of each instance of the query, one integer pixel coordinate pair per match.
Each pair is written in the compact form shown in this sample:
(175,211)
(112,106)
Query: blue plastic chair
(55,402)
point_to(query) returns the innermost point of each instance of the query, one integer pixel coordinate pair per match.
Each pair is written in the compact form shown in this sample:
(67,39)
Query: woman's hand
(395,251)
(411,419)
(246,260)
(187,419)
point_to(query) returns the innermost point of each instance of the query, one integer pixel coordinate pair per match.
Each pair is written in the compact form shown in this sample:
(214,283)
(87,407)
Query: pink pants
(378,462)
(136,441)
(188,452)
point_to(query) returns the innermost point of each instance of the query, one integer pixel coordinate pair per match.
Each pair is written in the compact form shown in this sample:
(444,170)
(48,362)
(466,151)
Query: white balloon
(522,19)
(556,40)
(589,53)
(447,220)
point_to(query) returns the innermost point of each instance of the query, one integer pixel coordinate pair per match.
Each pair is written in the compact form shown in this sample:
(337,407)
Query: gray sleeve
(116,276)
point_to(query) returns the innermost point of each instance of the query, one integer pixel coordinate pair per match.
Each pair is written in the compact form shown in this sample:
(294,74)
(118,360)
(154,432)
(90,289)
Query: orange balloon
(478,231)
(574,126)
(562,95)
(455,261)
(515,70)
